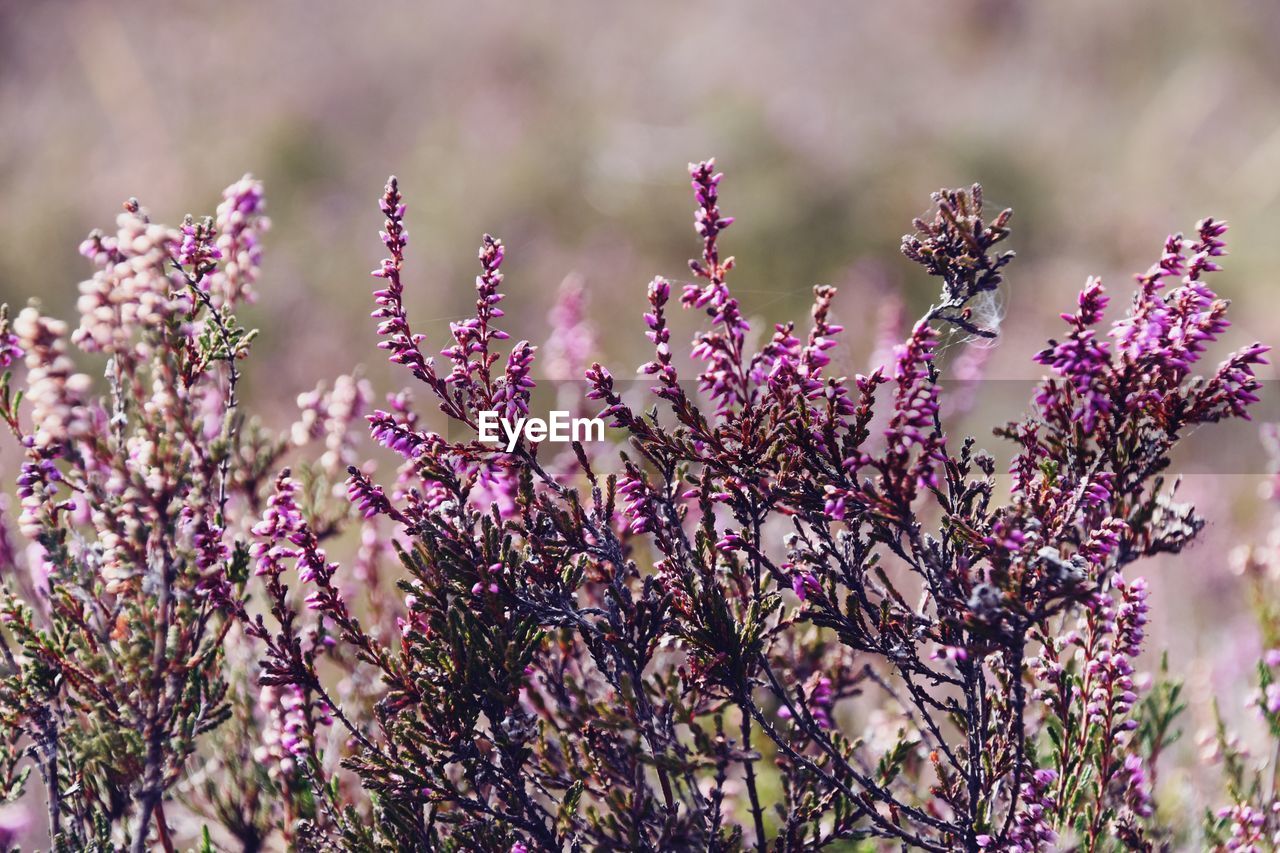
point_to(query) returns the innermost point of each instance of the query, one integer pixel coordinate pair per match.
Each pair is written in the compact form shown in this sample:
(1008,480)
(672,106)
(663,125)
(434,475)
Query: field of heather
(630,503)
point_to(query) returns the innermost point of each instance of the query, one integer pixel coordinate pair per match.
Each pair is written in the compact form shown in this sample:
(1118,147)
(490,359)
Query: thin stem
(162,827)
(888,829)
(152,777)
(757,813)
(49,770)
(233,380)
(1019,706)
(800,714)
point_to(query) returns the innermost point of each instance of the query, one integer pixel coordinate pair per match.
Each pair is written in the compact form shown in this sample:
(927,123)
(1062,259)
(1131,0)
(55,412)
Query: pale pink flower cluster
(132,288)
(569,352)
(1249,828)
(284,737)
(55,391)
(241,225)
(330,414)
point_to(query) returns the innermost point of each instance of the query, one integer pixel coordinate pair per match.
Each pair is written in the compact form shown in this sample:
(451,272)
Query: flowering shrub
(116,665)
(1250,820)
(785,609)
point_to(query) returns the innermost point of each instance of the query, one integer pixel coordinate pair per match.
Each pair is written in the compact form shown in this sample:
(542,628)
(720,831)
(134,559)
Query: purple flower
(660,335)
(134,290)
(915,412)
(1131,616)
(953,654)
(778,362)
(724,379)
(1104,541)
(639,503)
(10,349)
(369,499)
(397,436)
(511,397)
(803,583)
(1271,698)
(208,540)
(240,225)
(616,412)
(38,481)
(398,338)
(487,580)
(470,353)
(283,535)
(552,624)
(197,248)
(1033,824)
(1233,388)
(835,505)
(917,400)
(1082,359)
(286,735)
(1137,787)
(279,526)
(822,702)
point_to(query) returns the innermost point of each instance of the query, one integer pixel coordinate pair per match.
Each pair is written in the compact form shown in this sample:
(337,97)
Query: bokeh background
(565,128)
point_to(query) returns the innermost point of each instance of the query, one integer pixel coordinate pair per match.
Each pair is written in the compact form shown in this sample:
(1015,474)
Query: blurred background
(565,129)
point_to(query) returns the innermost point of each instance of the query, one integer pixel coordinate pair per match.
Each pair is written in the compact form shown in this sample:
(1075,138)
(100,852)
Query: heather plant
(114,633)
(778,608)
(1249,819)
(121,645)
(600,654)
